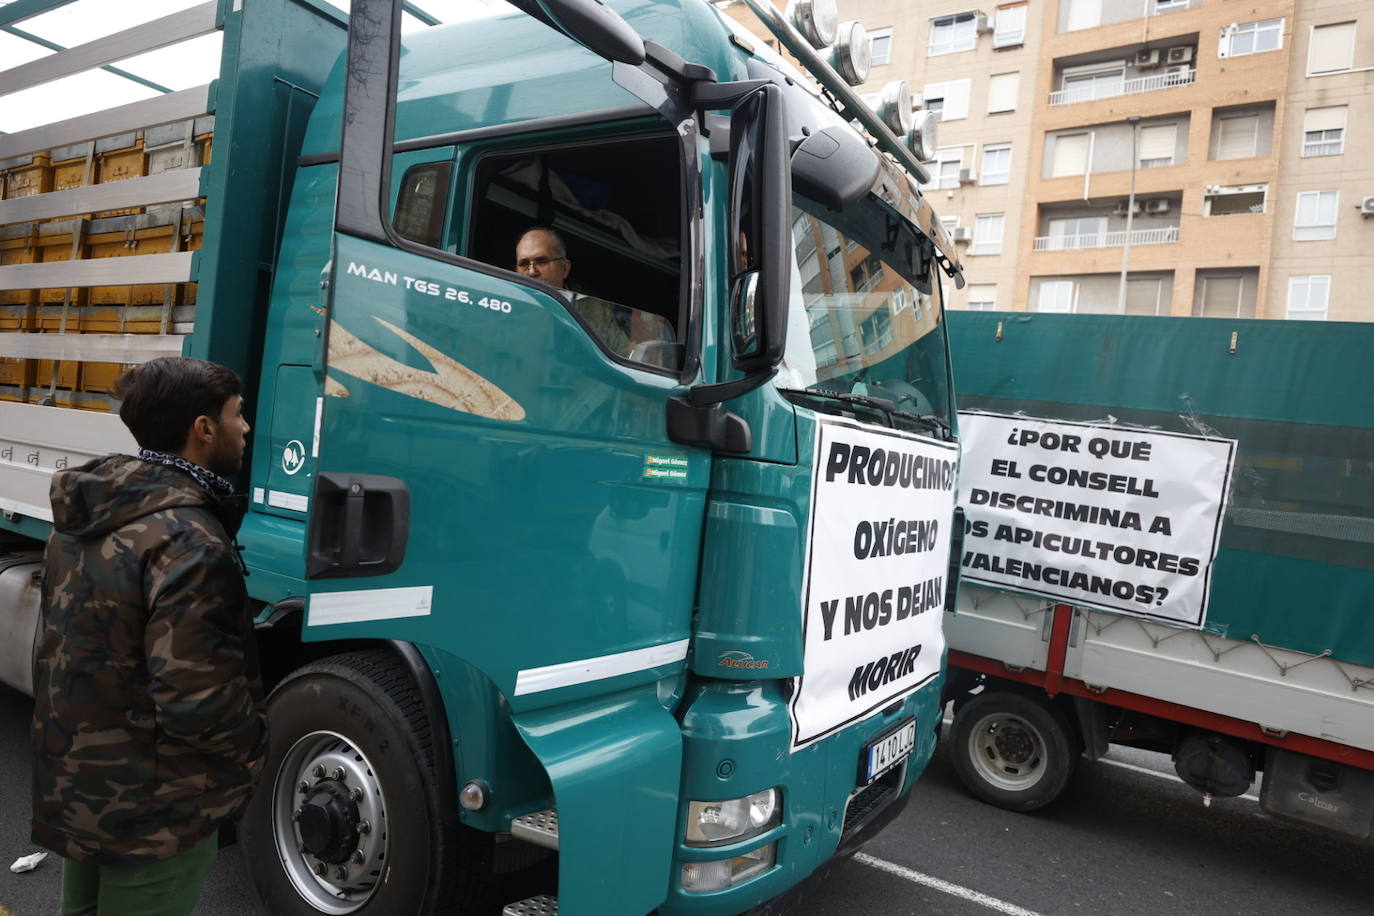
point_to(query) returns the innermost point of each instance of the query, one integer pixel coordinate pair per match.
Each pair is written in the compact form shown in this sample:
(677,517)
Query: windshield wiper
(885,406)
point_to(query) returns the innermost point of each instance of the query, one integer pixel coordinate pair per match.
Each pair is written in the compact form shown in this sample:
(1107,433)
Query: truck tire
(1012,750)
(346,818)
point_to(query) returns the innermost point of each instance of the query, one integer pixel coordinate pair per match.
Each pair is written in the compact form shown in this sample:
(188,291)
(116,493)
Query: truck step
(539,828)
(543,905)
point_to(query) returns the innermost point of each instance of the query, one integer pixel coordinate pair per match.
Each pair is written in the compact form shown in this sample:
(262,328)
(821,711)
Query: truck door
(495,479)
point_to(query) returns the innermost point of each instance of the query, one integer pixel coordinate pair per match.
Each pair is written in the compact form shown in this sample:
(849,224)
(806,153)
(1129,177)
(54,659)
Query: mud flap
(615,764)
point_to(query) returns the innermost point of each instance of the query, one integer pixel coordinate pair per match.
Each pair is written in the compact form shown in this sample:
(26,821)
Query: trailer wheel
(346,819)
(1012,750)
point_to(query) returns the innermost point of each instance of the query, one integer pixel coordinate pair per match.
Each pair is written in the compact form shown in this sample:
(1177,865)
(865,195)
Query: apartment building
(1162,157)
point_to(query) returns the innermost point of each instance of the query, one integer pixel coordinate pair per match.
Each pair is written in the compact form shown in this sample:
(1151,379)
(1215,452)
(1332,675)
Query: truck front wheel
(1012,750)
(346,819)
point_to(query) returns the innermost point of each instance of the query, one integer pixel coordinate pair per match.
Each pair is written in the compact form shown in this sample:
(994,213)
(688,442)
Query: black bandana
(203,476)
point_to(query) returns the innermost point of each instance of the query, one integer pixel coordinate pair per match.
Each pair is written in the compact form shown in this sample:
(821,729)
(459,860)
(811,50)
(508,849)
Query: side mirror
(760,229)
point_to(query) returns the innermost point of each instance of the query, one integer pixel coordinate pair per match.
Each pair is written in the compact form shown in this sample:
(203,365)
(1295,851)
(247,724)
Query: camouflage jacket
(148,723)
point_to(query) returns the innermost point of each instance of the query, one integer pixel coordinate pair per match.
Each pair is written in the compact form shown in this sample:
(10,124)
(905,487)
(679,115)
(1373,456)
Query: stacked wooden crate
(137,308)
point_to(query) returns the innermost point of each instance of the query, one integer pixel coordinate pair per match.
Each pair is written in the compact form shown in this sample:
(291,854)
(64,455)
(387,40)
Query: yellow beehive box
(27,180)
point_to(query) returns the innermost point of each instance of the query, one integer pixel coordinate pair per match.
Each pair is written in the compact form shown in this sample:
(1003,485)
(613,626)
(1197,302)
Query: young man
(148,724)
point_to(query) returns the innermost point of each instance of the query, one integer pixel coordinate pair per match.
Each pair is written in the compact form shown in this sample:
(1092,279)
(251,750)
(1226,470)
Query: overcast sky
(181,66)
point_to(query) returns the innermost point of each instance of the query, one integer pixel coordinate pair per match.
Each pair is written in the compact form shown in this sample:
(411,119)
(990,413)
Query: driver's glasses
(541,263)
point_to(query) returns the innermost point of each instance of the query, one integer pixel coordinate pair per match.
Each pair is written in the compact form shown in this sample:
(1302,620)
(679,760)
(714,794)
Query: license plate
(887,750)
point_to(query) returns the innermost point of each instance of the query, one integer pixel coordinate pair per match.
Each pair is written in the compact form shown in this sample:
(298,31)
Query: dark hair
(162,398)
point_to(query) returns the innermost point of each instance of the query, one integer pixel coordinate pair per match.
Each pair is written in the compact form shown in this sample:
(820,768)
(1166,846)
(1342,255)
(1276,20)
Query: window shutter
(1332,118)
(1332,48)
(956,100)
(1236,137)
(1083,14)
(1142,297)
(1221,296)
(1157,141)
(1002,89)
(1070,155)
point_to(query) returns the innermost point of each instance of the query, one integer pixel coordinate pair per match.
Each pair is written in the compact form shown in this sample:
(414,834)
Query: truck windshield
(865,312)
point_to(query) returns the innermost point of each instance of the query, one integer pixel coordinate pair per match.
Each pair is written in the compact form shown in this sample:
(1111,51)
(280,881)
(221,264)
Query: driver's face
(537,257)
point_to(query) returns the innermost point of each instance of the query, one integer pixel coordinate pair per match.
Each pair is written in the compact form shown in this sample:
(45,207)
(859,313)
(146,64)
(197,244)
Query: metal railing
(1162,236)
(1094,91)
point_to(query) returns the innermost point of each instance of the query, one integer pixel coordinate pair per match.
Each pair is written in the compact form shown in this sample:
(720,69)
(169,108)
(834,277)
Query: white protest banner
(882,502)
(1126,520)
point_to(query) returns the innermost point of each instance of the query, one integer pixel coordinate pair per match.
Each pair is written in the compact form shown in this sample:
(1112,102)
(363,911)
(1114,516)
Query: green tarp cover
(1296,564)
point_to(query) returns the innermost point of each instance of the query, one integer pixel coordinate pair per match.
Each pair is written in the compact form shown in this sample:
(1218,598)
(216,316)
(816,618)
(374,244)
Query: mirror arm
(707,395)
(711,96)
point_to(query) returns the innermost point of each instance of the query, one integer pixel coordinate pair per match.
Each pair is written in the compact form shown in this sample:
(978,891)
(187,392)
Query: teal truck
(1240,648)
(635,584)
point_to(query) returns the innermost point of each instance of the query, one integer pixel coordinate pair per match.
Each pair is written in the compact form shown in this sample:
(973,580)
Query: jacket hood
(108,493)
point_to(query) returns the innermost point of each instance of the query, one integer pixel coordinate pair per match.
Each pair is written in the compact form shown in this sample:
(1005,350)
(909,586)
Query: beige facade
(1236,127)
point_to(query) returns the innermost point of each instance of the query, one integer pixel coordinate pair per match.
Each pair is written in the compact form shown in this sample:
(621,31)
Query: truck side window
(617,209)
(420,206)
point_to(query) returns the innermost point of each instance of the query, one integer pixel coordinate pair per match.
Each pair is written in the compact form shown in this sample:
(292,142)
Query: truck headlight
(700,877)
(711,823)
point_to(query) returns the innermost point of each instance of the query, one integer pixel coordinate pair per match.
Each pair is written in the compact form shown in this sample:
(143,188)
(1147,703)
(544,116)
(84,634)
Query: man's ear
(203,429)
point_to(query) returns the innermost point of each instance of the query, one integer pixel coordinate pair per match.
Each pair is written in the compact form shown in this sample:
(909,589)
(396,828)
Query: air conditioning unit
(1367,207)
(1181,55)
(1147,59)
(961,234)
(967,176)
(1123,208)
(1158,205)
(984,23)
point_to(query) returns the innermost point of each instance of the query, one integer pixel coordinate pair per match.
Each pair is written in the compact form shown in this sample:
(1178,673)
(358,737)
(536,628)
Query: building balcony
(1103,89)
(1162,236)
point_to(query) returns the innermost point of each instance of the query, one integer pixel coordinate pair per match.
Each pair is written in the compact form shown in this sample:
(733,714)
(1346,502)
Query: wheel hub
(329,823)
(1014,745)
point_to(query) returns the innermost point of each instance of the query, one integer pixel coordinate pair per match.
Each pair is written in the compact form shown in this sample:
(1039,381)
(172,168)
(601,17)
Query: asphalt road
(1126,840)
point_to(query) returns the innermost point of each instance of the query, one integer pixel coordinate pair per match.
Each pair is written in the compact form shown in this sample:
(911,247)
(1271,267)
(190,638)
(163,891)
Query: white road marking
(1156,773)
(946,887)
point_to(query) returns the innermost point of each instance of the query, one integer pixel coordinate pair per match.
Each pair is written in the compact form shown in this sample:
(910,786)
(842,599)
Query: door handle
(359,526)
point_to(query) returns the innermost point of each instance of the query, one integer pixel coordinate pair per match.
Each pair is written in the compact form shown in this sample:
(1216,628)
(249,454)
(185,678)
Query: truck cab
(637,565)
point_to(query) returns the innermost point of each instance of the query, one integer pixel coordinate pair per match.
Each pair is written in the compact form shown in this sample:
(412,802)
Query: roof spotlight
(894,106)
(817,20)
(852,54)
(921,137)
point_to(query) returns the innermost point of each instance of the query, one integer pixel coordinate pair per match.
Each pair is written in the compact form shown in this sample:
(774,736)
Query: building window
(1100,82)
(1227,200)
(1002,89)
(1144,296)
(944,171)
(948,101)
(1057,296)
(1323,131)
(1010,29)
(1070,155)
(1237,137)
(1316,215)
(1251,38)
(1156,145)
(1307,297)
(987,234)
(882,46)
(997,164)
(982,297)
(1075,232)
(953,33)
(1332,48)
(1168,6)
